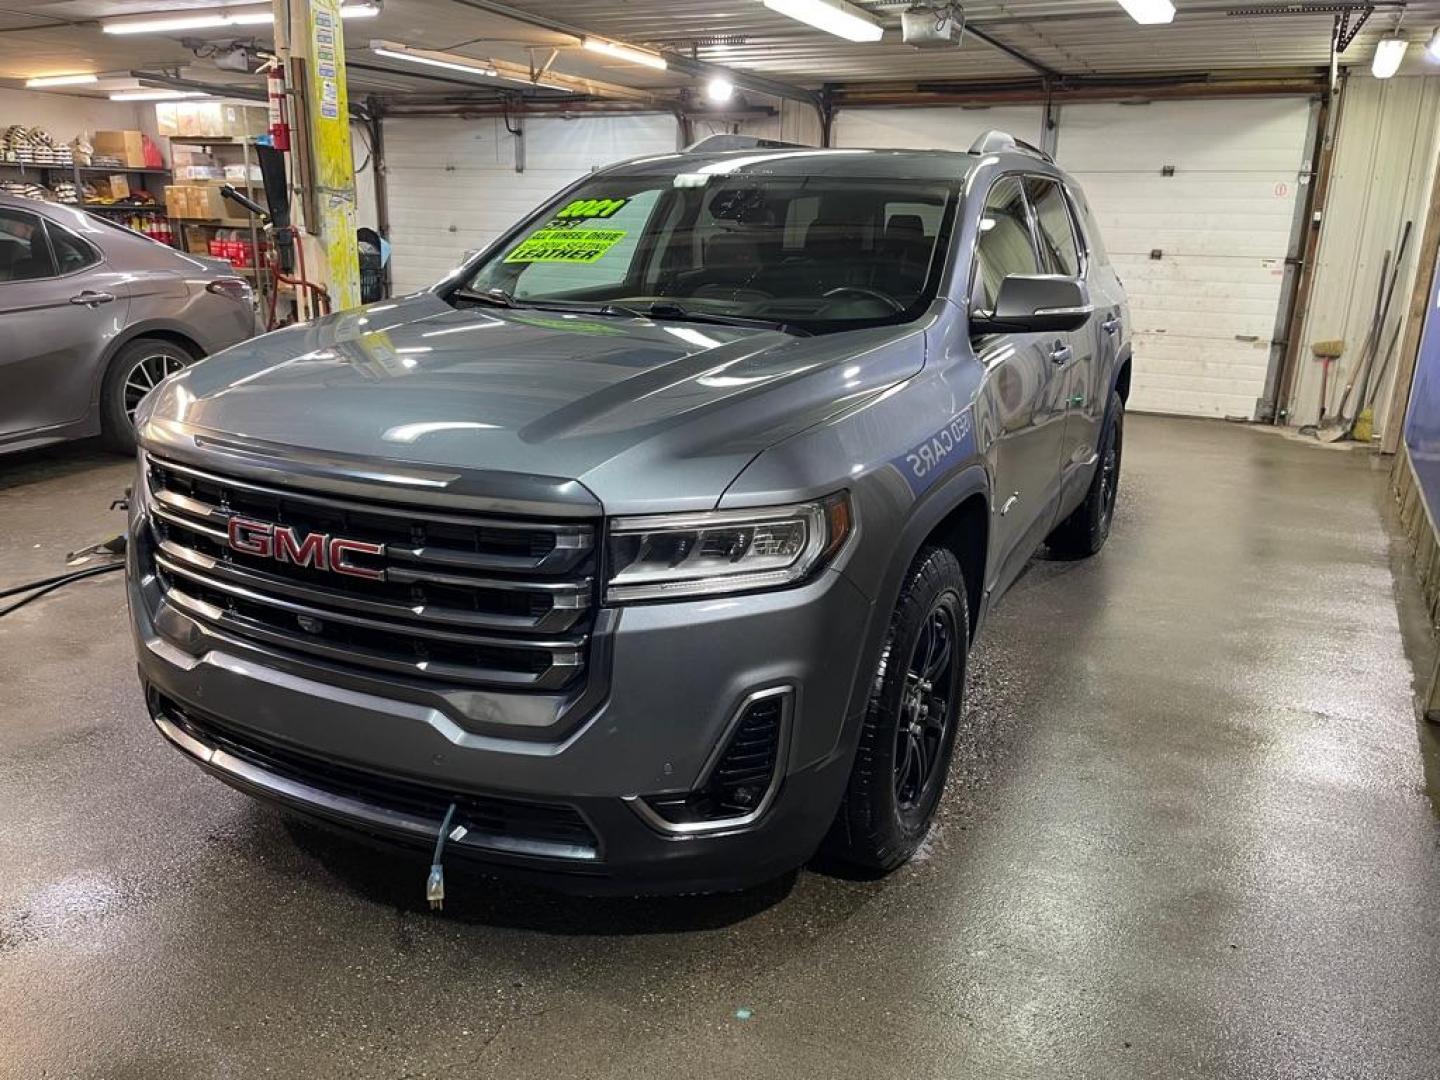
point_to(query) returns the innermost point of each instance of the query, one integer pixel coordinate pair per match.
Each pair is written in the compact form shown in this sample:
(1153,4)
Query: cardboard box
(110,187)
(128,147)
(177,200)
(243,121)
(191,173)
(167,119)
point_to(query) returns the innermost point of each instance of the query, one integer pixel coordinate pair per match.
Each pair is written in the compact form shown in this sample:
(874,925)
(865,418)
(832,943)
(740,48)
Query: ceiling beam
(1074,88)
(1014,53)
(686,65)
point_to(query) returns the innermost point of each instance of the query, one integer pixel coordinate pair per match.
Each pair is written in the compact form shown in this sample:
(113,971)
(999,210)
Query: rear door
(60,306)
(1062,253)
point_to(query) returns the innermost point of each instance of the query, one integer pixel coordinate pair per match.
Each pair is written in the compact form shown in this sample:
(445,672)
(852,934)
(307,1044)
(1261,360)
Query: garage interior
(1192,824)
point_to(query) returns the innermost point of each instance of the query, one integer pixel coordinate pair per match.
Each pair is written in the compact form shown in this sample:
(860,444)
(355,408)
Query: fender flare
(965,481)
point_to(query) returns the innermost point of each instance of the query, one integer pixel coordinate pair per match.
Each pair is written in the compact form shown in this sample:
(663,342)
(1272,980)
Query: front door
(59,308)
(1022,408)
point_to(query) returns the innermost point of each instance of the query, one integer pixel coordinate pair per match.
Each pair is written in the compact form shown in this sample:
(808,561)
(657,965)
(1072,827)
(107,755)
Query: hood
(647,415)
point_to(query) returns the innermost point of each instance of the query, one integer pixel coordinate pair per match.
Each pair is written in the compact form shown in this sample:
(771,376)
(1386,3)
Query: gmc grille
(464,598)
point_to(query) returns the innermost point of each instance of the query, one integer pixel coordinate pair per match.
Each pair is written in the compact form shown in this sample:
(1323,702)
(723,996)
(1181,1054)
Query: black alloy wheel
(924,723)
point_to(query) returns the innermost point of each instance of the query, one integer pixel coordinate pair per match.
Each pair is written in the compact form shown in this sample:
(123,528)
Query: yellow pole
(319,41)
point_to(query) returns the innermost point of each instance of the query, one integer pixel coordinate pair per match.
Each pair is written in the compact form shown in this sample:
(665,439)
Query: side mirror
(1036,304)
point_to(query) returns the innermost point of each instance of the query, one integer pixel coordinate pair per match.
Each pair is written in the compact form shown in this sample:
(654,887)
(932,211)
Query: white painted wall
(65,116)
(1203,314)
(454,188)
(1384,157)
(793,122)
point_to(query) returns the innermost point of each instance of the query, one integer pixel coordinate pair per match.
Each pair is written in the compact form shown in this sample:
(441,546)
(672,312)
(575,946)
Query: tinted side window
(1004,246)
(71,253)
(1052,217)
(24,254)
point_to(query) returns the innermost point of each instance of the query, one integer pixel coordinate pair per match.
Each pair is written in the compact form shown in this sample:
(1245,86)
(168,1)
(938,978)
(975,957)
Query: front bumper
(325,741)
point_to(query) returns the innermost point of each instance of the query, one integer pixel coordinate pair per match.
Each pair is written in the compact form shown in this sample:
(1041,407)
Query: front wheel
(909,730)
(1087,528)
(134,371)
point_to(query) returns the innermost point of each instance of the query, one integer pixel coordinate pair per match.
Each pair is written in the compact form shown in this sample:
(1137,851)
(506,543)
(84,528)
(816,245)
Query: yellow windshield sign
(552,245)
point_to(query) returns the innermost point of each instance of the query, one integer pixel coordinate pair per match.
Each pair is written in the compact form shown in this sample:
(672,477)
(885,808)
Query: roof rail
(998,142)
(741,142)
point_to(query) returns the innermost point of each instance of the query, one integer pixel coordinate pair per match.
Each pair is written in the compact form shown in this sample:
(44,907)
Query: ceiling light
(833,16)
(61,80)
(1149,12)
(215,18)
(719,90)
(430,58)
(628,53)
(1388,54)
(156,95)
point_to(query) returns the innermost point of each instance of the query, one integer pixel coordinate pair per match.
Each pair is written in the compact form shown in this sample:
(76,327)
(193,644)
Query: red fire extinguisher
(279,112)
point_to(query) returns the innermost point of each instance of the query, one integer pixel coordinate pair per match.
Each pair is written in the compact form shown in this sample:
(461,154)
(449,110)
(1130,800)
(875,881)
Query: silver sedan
(93,315)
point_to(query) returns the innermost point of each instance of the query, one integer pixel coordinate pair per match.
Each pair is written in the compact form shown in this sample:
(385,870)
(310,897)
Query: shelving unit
(47,174)
(205,226)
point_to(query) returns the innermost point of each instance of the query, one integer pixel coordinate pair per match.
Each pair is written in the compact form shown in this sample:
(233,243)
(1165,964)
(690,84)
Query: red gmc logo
(317,550)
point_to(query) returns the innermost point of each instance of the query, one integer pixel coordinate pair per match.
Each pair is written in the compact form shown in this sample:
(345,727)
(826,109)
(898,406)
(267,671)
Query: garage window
(24,254)
(1052,219)
(1005,246)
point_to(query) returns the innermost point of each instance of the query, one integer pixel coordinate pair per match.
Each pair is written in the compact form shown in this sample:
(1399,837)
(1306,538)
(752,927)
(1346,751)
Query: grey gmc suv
(645,550)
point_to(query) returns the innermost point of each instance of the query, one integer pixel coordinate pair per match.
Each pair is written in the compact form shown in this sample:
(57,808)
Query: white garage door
(453,185)
(1202,252)
(945,128)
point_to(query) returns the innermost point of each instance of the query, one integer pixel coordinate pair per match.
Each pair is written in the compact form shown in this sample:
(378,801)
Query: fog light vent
(741,782)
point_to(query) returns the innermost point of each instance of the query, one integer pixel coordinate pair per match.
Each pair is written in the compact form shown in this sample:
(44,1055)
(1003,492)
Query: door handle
(93,299)
(1111,325)
(1060,355)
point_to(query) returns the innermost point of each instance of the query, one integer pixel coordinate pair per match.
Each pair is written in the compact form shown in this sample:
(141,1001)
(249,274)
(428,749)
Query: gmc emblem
(319,551)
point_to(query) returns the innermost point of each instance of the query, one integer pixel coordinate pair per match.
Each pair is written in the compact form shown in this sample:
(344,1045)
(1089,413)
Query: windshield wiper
(670,311)
(496,297)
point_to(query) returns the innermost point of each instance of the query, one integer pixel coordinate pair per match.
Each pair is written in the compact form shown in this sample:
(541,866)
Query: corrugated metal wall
(1201,248)
(1384,154)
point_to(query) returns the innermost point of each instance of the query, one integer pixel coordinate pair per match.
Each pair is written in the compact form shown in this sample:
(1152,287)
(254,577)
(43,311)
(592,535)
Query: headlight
(724,551)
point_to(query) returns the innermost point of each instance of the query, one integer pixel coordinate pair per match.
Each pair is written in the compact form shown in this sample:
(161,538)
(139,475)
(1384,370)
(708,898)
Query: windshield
(816,253)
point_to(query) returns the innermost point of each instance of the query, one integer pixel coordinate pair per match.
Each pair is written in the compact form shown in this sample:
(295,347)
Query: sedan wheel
(139,367)
(144,375)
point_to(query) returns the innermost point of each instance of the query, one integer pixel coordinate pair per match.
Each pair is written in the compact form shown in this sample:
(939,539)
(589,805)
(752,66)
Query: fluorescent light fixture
(1433,49)
(1149,12)
(719,90)
(217,18)
(430,58)
(833,16)
(628,53)
(1388,54)
(156,95)
(61,80)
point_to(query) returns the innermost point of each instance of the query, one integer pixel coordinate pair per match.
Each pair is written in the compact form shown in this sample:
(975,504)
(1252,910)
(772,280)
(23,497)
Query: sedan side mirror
(1036,304)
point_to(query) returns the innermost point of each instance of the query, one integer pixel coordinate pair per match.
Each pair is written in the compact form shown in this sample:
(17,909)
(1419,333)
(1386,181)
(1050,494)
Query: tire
(891,797)
(1087,528)
(144,360)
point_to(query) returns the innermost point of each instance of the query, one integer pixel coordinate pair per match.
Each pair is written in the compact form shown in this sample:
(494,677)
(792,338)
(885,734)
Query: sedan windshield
(816,253)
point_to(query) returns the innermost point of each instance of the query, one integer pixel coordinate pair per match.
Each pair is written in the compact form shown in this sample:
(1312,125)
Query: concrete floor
(1189,834)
